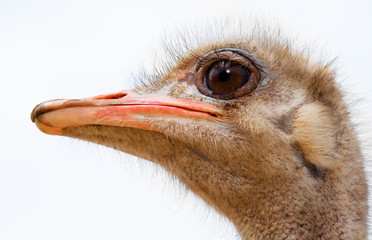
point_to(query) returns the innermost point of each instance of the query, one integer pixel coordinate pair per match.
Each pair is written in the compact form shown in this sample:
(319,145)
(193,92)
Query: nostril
(112,96)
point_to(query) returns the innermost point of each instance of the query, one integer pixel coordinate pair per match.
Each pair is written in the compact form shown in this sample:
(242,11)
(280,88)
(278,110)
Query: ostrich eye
(228,73)
(224,77)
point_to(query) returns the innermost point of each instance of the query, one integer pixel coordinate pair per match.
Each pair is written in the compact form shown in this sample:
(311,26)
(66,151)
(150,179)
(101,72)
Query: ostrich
(251,125)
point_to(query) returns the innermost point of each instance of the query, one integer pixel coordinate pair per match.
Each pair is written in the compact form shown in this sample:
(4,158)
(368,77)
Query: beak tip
(33,115)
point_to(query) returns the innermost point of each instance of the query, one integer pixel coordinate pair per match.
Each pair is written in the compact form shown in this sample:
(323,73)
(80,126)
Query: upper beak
(124,109)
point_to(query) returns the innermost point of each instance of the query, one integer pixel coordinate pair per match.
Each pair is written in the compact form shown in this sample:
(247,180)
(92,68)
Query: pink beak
(123,109)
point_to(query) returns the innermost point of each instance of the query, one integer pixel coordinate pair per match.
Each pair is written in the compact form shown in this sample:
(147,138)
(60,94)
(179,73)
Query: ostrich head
(252,126)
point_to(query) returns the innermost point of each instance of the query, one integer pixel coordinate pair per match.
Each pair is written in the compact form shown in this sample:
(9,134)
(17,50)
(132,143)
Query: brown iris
(228,73)
(223,77)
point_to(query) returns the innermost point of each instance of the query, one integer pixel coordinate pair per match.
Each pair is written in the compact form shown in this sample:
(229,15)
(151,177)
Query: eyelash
(228,54)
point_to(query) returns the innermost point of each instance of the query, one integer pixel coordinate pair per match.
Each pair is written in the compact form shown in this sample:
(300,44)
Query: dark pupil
(224,77)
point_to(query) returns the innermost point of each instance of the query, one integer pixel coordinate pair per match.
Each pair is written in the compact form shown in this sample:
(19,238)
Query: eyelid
(231,54)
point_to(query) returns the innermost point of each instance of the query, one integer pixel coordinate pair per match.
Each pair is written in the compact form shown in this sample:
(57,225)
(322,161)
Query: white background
(57,188)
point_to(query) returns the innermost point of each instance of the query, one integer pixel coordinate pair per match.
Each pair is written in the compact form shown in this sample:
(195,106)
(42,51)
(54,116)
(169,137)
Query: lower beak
(123,109)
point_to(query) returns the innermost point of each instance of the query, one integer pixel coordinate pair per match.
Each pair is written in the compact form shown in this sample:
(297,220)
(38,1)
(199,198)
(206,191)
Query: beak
(122,109)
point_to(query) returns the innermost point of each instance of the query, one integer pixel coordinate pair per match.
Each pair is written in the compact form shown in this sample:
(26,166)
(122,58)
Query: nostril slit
(118,95)
(113,96)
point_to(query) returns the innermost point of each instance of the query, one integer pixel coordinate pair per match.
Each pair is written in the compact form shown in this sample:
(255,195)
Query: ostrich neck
(285,212)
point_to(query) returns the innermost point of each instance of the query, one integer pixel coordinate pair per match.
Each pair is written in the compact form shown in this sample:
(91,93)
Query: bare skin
(256,130)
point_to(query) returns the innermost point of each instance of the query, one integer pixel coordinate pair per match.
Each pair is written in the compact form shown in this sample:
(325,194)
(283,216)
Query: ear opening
(314,170)
(314,134)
